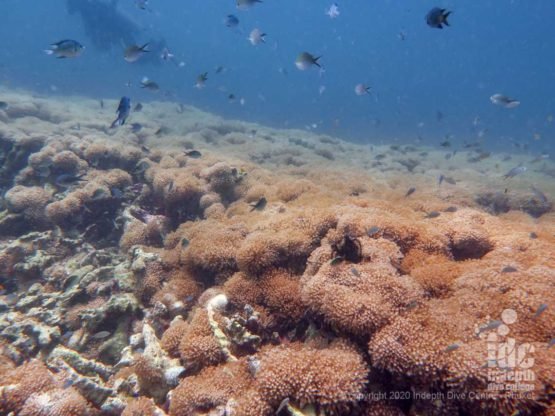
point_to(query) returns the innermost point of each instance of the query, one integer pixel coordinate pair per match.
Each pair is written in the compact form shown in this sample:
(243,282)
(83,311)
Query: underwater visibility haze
(277,207)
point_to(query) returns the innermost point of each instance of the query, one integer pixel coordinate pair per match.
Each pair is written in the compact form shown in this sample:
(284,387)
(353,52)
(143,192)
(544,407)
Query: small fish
(184,243)
(533,235)
(231,98)
(515,171)
(150,85)
(68,383)
(333,11)
(134,52)
(410,192)
(551,343)
(65,180)
(361,89)
(440,179)
(402,35)
(355,272)
(66,48)
(231,20)
(219,69)
(201,80)
(195,154)
(256,37)
(336,260)
(166,55)
(450,209)
(138,107)
(504,101)
(101,335)
(508,269)
(284,403)
(122,112)
(489,326)
(259,205)
(100,194)
(305,60)
(437,17)
(141,4)
(246,4)
(541,309)
(539,195)
(136,127)
(432,214)
(101,102)
(543,156)
(3,105)
(452,347)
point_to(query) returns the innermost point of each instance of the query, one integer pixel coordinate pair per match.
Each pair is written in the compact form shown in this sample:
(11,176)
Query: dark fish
(410,192)
(259,205)
(305,60)
(533,235)
(201,80)
(3,105)
(66,48)
(508,269)
(101,103)
(355,272)
(67,179)
(100,194)
(122,112)
(116,193)
(336,260)
(101,335)
(539,195)
(246,4)
(372,231)
(437,17)
(445,143)
(541,309)
(515,171)
(450,209)
(184,243)
(194,154)
(440,179)
(180,108)
(145,149)
(448,156)
(551,343)
(138,107)
(134,52)
(452,347)
(150,85)
(432,214)
(449,180)
(219,69)
(231,20)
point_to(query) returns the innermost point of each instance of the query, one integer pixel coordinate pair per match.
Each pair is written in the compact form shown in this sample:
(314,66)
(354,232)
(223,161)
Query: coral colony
(213,267)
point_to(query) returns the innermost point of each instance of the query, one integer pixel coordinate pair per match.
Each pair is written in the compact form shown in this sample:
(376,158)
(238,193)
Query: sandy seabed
(276,272)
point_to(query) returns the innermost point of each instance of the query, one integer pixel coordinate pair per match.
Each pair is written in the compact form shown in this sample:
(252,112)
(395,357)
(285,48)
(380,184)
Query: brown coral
(29,201)
(57,402)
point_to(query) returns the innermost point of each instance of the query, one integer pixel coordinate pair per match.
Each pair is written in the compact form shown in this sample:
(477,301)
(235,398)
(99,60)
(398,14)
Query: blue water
(496,46)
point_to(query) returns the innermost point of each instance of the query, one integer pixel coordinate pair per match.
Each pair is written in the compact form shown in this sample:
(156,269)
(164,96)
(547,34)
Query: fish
(101,102)
(122,112)
(445,143)
(543,156)
(166,55)
(541,309)
(355,272)
(101,335)
(246,4)
(136,127)
(284,403)
(201,80)
(256,37)
(508,269)
(336,260)
(134,52)
(361,89)
(437,17)
(333,11)
(67,179)
(452,347)
(432,214)
(439,115)
(539,195)
(150,85)
(305,60)
(451,209)
(410,192)
(259,205)
(3,105)
(138,107)
(185,243)
(66,48)
(195,154)
(489,326)
(551,343)
(372,231)
(533,235)
(515,171)
(504,101)
(219,69)
(231,20)
(141,4)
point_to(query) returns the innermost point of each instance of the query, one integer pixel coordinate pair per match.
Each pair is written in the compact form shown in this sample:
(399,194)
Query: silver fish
(515,171)
(504,101)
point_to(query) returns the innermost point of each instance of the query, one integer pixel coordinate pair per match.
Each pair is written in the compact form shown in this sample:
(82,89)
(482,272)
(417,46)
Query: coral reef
(244,276)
